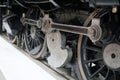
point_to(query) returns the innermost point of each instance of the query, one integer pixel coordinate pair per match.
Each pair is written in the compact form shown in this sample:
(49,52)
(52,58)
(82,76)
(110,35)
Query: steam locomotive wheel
(35,42)
(100,61)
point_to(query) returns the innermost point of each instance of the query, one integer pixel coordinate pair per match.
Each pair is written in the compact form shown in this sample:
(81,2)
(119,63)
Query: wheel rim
(91,60)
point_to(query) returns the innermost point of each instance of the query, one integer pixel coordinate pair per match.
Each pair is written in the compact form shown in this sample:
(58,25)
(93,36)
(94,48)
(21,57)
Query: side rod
(94,31)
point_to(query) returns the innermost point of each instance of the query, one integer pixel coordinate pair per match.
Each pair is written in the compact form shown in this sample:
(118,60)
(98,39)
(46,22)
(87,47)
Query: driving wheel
(100,60)
(35,42)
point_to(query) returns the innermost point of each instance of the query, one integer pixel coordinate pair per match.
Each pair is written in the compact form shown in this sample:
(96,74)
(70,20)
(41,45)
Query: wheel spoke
(95,73)
(107,74)
(94,60)
(30,40)
(93,48)
(29,47)
(28,36)
(32,44)
(37,40)
(114,75)
(40,36)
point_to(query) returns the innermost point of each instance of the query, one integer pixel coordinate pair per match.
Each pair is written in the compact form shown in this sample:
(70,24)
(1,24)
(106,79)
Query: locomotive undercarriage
(82,39)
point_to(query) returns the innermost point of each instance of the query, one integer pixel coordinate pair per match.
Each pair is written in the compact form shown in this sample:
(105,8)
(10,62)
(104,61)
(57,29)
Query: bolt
(114,10)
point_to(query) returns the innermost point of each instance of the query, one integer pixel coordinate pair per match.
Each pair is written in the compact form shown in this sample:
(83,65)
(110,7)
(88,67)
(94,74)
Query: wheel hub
(111,55)
(33,32)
